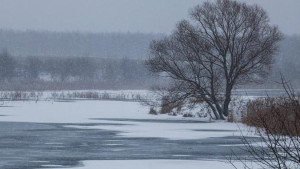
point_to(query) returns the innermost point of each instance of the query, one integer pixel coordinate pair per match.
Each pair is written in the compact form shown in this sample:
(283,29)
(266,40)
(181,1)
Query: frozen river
(66,134)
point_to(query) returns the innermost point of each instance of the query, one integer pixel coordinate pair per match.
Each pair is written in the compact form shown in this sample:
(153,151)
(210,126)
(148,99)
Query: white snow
(50,165)
(156,164)
(76,111)
(174,131)
(84,111)
(70,112)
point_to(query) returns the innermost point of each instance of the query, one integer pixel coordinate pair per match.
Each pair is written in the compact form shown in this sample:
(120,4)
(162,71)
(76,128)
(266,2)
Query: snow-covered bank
(77,111)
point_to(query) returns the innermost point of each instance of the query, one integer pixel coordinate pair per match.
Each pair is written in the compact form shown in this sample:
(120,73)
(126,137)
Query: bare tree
(224,44)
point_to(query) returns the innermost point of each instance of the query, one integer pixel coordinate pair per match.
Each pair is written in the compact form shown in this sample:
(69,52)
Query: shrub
(167,106)
(152,111)
(277,124)
(277,115)
(188,115)
(231,118)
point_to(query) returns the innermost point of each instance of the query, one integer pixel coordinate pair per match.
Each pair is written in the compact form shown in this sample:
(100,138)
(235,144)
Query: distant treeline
(104,45)
(53,60)
(48,73)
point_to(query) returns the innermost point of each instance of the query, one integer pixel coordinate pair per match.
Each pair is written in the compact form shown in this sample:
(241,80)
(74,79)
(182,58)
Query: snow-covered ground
(131,114)
(92,111)
(70,111)
(156,164)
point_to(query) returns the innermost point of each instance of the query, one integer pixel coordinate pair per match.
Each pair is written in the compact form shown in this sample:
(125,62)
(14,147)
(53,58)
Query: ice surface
(131,116)
(173,130)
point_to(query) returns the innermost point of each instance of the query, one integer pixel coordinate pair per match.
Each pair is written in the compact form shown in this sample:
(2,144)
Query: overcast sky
(157,16)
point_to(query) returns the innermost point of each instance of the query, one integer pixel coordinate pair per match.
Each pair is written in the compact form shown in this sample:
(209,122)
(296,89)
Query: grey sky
(158,16)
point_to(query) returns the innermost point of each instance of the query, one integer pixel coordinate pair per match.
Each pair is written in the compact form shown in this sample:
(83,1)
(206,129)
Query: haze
(145,16)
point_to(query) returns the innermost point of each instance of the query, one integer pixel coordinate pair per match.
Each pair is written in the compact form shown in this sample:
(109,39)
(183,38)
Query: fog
(102,44)
(146,16)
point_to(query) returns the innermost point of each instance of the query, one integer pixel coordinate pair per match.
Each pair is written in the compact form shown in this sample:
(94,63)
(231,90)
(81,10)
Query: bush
(231,118)
(279,115)
(152,111)
(277,124)
(188,115)
(168,106)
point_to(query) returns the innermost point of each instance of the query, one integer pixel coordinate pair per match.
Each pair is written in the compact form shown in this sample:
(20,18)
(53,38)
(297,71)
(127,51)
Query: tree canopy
(223,44)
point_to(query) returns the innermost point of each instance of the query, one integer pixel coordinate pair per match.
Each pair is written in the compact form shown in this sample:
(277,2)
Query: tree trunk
(212,107)
(227,100)
(220,111)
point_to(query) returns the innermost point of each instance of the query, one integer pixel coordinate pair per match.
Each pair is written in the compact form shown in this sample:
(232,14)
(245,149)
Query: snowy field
(128,122)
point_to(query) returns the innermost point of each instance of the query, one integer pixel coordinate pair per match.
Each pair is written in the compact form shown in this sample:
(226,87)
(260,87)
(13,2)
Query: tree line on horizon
(72,73)
(75,56)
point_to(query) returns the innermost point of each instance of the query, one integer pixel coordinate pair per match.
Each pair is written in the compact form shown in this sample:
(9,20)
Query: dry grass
(168,106)
(71,95)
(153,111)
(276,115)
